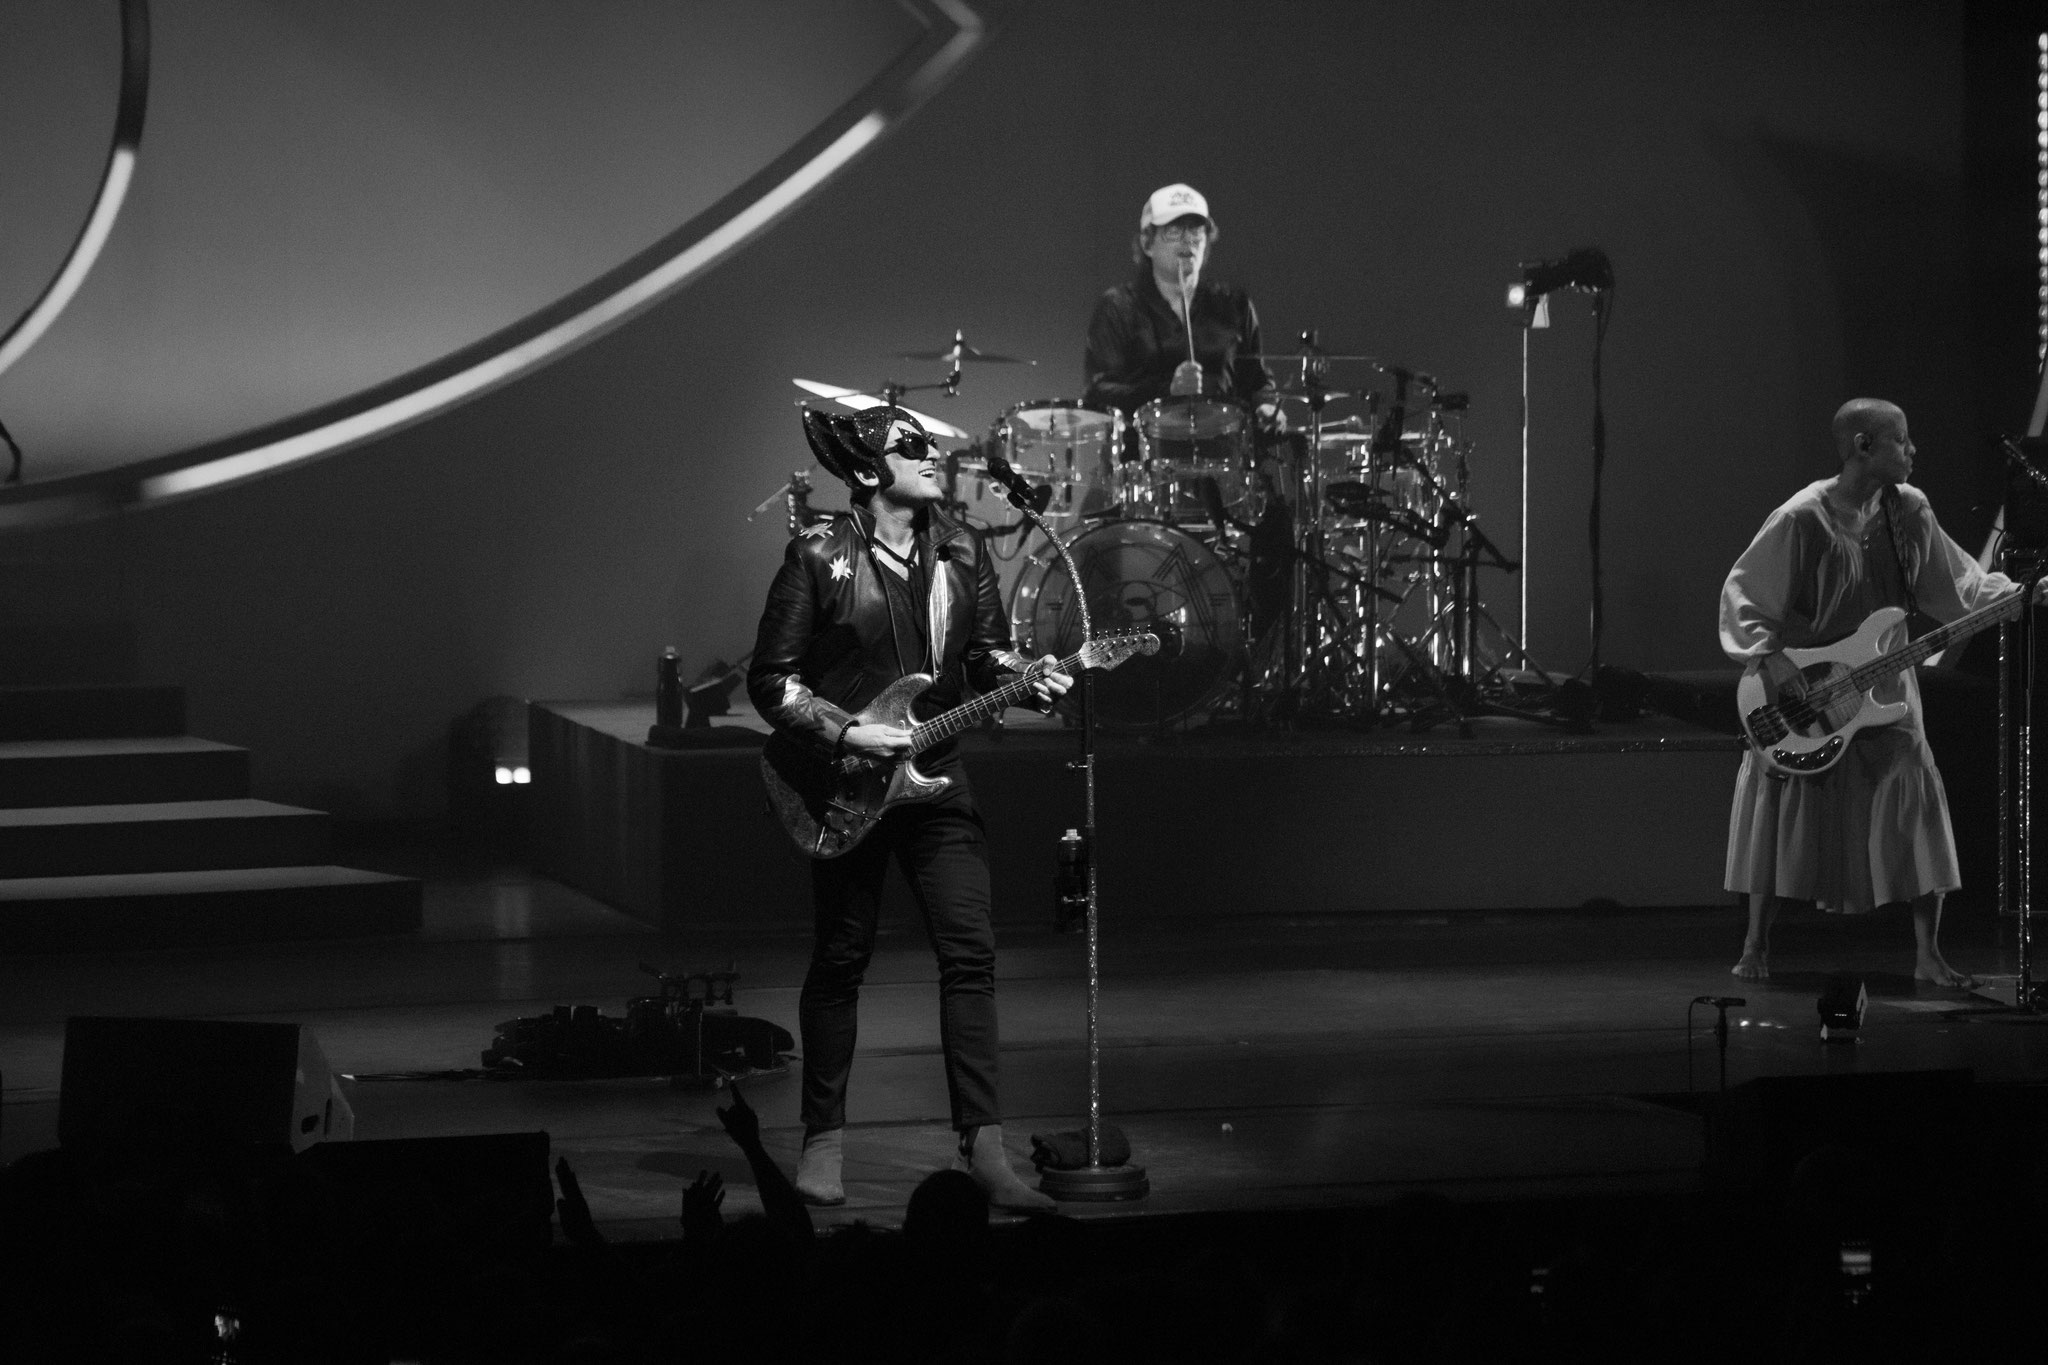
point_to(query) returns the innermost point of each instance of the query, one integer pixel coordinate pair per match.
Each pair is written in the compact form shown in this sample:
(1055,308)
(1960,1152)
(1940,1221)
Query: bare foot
(1755,965)
(1937,971)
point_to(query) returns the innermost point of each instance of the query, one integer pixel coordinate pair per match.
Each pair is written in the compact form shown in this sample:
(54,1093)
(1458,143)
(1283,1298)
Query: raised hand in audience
(779,1199)
(701,1199)
(573,1209)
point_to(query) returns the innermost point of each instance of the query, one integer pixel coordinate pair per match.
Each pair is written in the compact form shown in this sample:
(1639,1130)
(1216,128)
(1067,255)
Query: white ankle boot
(818,1169)
(982,1156)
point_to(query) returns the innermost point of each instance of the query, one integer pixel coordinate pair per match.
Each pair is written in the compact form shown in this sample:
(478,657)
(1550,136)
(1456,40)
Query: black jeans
(944,856)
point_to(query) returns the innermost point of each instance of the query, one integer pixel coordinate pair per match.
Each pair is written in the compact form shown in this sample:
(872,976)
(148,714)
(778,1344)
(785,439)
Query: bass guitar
(1800,728)
(829,806)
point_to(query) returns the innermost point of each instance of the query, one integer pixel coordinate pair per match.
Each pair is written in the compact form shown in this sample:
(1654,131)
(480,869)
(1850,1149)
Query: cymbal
(1297,390)
(860,401)
(960,352)
(1296,357)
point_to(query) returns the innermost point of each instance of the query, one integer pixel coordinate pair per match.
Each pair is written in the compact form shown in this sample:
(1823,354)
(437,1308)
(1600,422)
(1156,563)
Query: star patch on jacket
(840,568)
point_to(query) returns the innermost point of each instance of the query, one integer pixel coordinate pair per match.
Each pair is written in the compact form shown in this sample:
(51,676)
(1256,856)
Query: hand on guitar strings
(1050,685)
(877,741)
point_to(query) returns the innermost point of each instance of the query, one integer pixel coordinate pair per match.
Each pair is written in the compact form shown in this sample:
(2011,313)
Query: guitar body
(1798,740)
(829,807)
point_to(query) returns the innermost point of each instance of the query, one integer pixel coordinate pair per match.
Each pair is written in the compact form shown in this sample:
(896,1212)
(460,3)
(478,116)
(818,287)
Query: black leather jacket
(1135,340)
(825,648)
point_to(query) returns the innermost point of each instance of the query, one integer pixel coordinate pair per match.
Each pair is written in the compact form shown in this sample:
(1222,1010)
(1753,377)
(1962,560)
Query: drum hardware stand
(1308,527)
(1477,550)
(1094,1182)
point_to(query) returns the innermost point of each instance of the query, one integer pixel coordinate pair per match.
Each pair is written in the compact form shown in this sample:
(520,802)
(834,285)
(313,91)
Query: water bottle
(668,688)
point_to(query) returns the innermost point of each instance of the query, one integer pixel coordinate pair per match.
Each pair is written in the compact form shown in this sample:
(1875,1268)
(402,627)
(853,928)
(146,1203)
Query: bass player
(892,587)
(1873,829)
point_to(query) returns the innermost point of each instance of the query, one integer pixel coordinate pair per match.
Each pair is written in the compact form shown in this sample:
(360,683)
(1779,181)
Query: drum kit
(1323,574)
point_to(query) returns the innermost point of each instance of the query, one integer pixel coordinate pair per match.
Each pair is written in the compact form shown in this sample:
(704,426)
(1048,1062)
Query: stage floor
(1256,1062)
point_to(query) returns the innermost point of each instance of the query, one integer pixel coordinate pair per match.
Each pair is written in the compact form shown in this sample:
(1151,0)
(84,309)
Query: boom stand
(1094,1182)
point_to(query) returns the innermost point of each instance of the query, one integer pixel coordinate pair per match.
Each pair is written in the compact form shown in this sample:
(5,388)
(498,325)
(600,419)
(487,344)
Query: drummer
(1137,342)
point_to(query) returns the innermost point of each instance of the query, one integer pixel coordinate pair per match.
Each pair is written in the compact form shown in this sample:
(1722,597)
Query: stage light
(490,779)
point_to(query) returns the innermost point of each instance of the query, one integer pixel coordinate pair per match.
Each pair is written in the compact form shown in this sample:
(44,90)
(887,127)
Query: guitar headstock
(1113,647)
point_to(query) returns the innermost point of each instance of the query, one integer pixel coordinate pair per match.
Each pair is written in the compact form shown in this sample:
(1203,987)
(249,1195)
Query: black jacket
(825,648)
(1135,341)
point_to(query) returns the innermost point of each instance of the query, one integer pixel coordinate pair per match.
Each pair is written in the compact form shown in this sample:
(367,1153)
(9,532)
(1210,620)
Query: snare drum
(1139,574)
(1184,440)
(1049,441)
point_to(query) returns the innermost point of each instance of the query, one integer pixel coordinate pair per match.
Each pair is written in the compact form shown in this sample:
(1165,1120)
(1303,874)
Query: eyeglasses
(911,445)
(1182,232)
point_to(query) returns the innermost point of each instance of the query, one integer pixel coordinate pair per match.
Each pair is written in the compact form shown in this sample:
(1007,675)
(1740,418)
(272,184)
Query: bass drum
(1138,574)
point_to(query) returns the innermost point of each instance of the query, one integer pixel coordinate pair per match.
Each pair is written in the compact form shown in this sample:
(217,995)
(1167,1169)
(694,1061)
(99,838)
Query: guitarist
(891,587)
(1874,829)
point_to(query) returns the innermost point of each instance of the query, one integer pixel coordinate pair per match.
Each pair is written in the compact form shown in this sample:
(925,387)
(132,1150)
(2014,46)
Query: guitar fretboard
(1867,676)
(967,715)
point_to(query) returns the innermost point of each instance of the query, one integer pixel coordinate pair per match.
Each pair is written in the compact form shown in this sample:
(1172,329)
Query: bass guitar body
(828,807)
(1800,738)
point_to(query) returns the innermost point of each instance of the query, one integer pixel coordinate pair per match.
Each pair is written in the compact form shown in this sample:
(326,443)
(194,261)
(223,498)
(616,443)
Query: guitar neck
(969,714)
(1930,644)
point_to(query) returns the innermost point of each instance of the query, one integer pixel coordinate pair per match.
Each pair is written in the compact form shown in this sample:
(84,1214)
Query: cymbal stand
(1479,692)
(1301,638)
(1094,1181)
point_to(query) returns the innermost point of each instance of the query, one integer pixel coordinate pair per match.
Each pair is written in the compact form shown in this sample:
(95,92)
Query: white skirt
(1872,830)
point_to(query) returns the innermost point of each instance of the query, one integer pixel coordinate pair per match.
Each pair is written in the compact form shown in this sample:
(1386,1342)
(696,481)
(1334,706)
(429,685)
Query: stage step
(112,711)
(175,909)
(159,836)
(84,772)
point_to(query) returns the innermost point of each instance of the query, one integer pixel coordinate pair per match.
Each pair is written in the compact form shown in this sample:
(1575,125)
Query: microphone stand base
(1095,1184)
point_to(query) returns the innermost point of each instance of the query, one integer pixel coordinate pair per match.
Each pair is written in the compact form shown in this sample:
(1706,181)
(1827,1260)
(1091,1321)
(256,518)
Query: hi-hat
(860,400)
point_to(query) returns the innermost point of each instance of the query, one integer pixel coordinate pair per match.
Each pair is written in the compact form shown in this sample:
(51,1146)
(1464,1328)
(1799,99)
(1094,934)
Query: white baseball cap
(1171,202)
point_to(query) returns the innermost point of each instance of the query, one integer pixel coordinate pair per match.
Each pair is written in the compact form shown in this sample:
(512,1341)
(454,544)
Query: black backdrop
(1782,190)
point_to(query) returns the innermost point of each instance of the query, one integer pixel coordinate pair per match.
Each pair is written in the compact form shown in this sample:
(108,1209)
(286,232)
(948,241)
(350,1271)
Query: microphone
(1585,267)
(1022,494)
(1720,1002)
(2016,456)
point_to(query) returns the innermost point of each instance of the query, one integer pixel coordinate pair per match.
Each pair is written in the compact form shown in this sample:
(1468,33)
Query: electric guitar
(1801,728)
(829,806)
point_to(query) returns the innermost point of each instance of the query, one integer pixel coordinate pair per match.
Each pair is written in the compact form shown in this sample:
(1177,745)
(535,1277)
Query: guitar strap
(1902,548)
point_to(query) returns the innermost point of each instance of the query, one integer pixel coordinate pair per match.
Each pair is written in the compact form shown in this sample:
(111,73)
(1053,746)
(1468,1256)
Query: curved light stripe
(420,403)
(113,189)
(109,491)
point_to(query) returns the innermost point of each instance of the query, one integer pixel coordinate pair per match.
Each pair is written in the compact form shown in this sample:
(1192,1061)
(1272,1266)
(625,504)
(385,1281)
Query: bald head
(1860,422)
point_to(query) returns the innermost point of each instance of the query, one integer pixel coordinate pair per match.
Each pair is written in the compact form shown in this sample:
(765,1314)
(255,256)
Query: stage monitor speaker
(130,1079)
(1761,1129)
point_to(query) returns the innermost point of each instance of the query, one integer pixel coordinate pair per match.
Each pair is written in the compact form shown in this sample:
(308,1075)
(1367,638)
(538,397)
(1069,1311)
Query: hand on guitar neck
(1048,685)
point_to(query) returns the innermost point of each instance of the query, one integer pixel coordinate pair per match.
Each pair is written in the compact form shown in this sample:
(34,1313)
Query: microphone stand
(1094,1182)
(2016,755)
